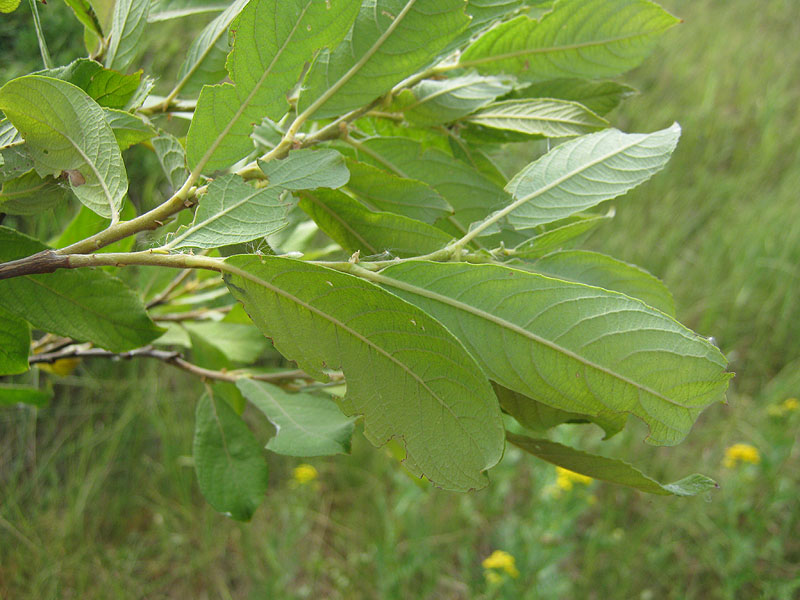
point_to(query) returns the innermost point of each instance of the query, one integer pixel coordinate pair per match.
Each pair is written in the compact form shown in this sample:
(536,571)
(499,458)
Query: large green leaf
(205,61)
(30,194)
(471,194)
(305,424)
(561,234)
(600,97)
(406,374)
(354,227)
(390,40)
(15,341)
(11,394)
(229,461)
(108,88)
(172,158)
(86,305)
(579,38)
(609,469)
(433,102)
(593,268)
(65,130)
(574,347)
(232,212)
(307,170)
(583,172)
(389,192)
(127,27)
(549,118)
(274,40)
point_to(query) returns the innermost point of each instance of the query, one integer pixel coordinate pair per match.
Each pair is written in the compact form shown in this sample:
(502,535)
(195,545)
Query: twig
(169,357)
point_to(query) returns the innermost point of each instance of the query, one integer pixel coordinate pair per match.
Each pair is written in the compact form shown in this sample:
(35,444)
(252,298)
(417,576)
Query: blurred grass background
(98,497)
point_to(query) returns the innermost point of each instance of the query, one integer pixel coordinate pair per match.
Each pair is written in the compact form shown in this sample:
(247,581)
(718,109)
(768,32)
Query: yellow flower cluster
(566,479)
(741,453)
(787,406)
(304,473)
(497,562)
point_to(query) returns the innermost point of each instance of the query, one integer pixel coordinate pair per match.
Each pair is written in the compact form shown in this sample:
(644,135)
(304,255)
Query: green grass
(98,498)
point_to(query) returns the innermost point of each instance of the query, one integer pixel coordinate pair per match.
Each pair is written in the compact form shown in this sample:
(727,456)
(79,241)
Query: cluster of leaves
(451,298)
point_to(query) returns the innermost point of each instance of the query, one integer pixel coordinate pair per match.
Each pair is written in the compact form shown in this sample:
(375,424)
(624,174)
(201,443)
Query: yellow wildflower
(791,404)
(741,453)
(304,474)
(566,479)
(501,561)
(493,577)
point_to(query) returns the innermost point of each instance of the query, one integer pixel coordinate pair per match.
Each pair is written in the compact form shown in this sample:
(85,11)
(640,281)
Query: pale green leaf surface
(239,343)
(11,394)
(8,6)
(584,172)
(66,130)
(127,27)
(15,341)
(232,212)
(355,227)
(307,170)
(205,61)
(405,373)
(609,469)
(229,461)
(82,11)
(562,234)
(164,10)
(390,40)
(30,194)
(9,136)
(128,129)
(579,38)
(172,158)
(389,192)
(85,304)
(104,11)
(537,416)
(549,118)
(593,268)
(305,424)
(574,347)
(272,44)
(433,102)
(600,97)
(108,88)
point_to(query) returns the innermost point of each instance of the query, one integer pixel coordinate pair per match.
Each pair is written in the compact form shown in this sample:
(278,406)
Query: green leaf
(15,342)
(108,88)
(85,14)
(127,27)
(8,6)
(584,172)
(164,10)
(471,194)
(172,159)
(307,170)
(389,192)
(239,343)
(9,136)
(272,44)
(104,11)
(305,424)
(579,38)
(538,416)
(232,212)
(65,130)
(15,161)
(571,346)
(406,374)
(128,129)
(355,227)
(229,461)
(86,224)
(11,394)
(433,102)
(593,268)
(600,97)
(562,234)
(609,469)
(30,194)
(205,61)
(87,305)
(390,40)
(550,118)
